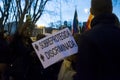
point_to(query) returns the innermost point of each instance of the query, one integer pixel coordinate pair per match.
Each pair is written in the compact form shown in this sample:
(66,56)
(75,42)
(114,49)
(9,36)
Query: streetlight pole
(60,13)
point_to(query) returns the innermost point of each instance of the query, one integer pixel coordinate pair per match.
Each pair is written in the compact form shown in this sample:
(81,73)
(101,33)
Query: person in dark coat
(26,64)
(99,48)
(36,70)
(21,47)
(4,56)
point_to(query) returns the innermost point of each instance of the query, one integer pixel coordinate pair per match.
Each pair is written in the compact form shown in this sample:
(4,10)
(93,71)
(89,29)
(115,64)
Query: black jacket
(4,51)
(99,50)
(26,65)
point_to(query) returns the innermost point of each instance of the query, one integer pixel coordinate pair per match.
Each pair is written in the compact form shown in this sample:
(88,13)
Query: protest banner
(55,47)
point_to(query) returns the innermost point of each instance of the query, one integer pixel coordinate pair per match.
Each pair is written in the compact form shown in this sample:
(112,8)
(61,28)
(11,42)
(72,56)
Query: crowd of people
(18,60)
(97,58)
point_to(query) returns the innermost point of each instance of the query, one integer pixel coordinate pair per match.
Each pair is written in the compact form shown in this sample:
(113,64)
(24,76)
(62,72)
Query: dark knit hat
(101,6)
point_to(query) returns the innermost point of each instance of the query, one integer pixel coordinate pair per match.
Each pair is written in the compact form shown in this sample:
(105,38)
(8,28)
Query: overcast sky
(67,11)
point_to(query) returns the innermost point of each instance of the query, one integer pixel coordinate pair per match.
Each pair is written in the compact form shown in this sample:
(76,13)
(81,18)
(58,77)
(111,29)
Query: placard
(55,47)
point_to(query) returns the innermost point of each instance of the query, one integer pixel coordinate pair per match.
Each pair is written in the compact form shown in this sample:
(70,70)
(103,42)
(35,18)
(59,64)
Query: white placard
(55,47)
